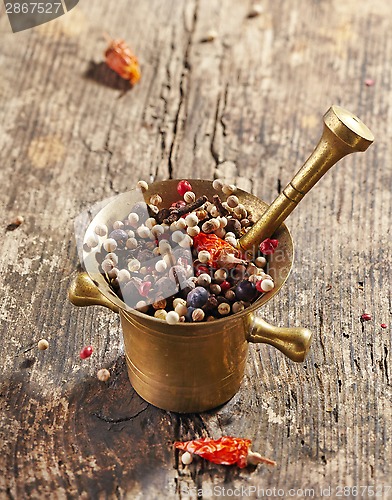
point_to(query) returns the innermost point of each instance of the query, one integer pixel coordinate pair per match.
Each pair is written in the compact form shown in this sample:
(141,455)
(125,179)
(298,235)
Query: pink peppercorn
(202,270)
(258,286)
(366,317)
(183,187)
(86,352)
(225,285)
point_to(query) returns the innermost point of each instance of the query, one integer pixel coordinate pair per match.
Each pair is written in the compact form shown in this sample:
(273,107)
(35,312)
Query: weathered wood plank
(248,107)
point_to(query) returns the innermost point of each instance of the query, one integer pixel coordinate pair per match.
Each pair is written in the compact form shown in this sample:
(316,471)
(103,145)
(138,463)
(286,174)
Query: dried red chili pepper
(225,451)
(268,246)
(222,253)
(120,59)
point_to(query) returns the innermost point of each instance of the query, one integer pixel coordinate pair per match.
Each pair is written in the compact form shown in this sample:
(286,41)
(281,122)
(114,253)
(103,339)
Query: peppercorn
(198,315)
(245,290)
(183,187)
(161,266)
(224,309)
(172,317)
(134,265)
(181,309)
(186,458)
(237,307)
(101,229)
(107,265)
(215,289)
(155,200)
(189,197)
(260,261)
(110,245)
(220,275)
(267,285)
(92,240)
(191,220)
(201,214)
(133,219)
(86,352)
(42,344)
(193,231)
(204,280)
(232,201)
(103,375)
(160,303)
(142,185)
(160,314)
(210,226)
(217,184)
(229,189)
(141,306)
(230,295)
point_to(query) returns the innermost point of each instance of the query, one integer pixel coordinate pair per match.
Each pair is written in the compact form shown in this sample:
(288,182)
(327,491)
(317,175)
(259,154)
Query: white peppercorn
(101,229)
(142,185)
(189,197)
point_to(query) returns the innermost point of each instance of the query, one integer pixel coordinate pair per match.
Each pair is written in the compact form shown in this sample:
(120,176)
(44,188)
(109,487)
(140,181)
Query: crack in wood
(111,420)
(185,77)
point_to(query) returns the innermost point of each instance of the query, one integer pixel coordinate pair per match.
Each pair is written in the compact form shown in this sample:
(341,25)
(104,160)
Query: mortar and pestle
(194,367)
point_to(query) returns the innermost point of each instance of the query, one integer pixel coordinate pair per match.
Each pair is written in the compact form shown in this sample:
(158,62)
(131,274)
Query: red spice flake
(217,247)
(120,59)
(366,317)
(225,451)
(369,82)
(86,352)
(384,325)
(268,246)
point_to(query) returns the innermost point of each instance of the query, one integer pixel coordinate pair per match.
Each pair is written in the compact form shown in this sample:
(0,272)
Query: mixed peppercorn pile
(181,263)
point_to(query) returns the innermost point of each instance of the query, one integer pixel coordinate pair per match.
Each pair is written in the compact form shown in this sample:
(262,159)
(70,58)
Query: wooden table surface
(248,107)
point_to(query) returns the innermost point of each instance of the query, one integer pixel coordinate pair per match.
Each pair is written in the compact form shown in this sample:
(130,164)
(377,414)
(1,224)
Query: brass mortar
(194,367)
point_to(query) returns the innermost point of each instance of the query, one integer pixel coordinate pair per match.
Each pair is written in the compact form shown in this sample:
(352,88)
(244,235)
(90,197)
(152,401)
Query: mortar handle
(84,292)
(343,134)
(293,342)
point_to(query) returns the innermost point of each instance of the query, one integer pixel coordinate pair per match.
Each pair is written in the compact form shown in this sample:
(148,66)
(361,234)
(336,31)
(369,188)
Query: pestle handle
(343,134)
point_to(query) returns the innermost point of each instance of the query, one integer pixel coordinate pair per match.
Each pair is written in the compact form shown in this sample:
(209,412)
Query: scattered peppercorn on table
(230,91)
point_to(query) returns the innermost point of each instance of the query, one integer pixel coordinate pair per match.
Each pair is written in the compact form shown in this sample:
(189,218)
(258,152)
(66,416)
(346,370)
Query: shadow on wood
(102,74)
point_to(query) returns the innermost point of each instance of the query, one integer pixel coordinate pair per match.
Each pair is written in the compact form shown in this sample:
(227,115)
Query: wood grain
(246,107)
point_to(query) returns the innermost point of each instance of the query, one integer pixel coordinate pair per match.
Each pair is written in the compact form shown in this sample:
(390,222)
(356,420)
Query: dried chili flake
(268,246)
(222,253)
(120,59)
(366,317)
(225,451)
